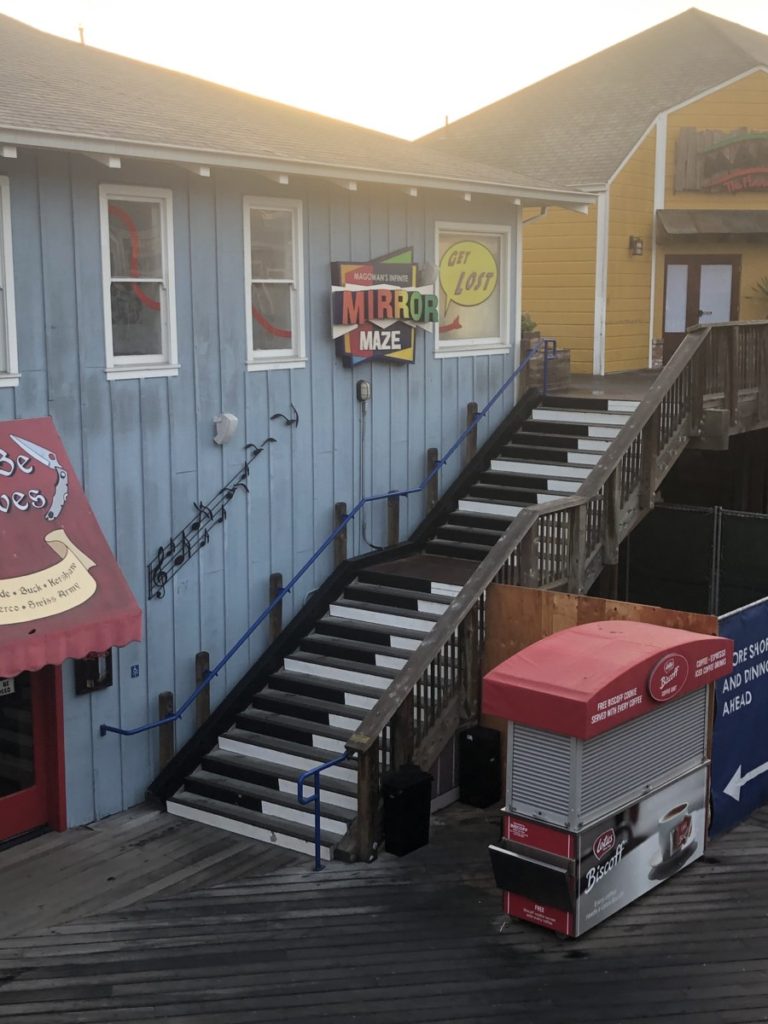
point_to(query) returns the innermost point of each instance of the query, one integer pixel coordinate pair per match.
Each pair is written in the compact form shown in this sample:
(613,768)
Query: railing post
(276,615)
(528,558)
(577,547)
(469,652)
(612,506)
(393,520)
(698,387)
(648,459)
(367,800)
(203,699)
(470,449)
(401,733)
(165,731)
(340,541)
(432,460)
(732,374)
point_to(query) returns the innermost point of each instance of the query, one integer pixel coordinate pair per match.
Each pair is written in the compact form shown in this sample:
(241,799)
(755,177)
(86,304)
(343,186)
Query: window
(9,366)
(273,283)
(137,262)
(474,283)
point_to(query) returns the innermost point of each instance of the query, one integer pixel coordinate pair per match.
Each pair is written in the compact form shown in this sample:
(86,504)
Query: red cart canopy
(589,679)
(62,594)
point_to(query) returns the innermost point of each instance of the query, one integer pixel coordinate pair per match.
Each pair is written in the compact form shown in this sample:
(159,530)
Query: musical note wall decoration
(294,419)
(196,534)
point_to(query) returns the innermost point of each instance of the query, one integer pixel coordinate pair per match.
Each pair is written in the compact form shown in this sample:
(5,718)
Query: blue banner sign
(740,738)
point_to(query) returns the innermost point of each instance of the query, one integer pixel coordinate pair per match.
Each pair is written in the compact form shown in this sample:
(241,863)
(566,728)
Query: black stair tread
(556,427)
(479,519)
(394,594)
(540,453)
(483,534)
(515,479)
(269,699)
(343,663)
(213,780)
(357,650)
(300,682)
(502,495)
(336,626)
(252,718)
(465,536)
(573,402)
(241,766)
(553,440)
(455,549)
(390,579)
(484,500)
(383,609)
(268,822)
(316,755)
(533,462)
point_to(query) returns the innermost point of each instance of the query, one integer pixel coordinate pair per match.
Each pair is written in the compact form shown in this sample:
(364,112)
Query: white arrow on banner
(733,789)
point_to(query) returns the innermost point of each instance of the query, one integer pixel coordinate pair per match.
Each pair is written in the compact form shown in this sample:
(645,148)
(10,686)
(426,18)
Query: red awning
(62,594)
(589,679)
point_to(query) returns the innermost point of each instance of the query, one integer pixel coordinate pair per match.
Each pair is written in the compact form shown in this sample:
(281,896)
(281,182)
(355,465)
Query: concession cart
(607,766)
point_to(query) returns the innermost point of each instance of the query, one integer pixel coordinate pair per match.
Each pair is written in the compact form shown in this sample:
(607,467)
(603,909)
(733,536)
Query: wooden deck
(419,939)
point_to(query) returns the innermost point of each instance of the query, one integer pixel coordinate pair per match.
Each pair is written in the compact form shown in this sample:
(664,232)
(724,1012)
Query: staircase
(306,708)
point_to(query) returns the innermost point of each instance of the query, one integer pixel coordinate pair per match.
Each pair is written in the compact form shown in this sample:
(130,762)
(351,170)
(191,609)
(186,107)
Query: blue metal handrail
(549,348)
(314,798)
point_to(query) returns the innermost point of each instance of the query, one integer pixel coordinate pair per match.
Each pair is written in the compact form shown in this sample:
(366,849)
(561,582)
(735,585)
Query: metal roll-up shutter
(541,764)
(639,756)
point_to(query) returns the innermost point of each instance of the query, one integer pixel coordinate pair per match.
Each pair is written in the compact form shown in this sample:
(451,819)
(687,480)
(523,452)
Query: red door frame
(45,802)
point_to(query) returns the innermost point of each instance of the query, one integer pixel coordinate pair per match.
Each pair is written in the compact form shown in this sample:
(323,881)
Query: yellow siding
(628,305)
(559,280)
(744,104)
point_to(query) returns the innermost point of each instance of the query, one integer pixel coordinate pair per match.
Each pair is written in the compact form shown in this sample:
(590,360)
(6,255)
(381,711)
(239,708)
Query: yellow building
(670,130)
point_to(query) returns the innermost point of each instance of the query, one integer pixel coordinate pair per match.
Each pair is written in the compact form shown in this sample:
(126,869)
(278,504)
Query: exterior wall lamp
(635,245)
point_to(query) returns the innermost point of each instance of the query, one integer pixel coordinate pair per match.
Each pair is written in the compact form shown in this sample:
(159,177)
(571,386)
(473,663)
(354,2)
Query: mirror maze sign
(377,306)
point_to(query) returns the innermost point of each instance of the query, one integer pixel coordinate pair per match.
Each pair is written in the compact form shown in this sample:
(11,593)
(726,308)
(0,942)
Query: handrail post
(432,460)
(577,547)
(393,519)
(698,387)
(276,615)
(166,730)
(340,541)
(612,506)
(203,700)
(367,800)
(471,446)
(528,559)
(469,653)
(732,375)
(402,733)
(649,456)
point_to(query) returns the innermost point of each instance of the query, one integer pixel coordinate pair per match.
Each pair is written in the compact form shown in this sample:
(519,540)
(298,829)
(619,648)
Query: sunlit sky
(401,67)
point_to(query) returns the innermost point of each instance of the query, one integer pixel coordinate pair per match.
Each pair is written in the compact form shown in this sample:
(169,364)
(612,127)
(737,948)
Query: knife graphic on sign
(51,460)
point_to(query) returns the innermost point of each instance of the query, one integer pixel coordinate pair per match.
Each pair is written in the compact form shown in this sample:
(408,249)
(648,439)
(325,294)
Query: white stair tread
(586,416)
(488,508)
(559,469)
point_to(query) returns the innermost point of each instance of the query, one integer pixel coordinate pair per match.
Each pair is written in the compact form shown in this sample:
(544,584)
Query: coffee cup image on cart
(675,828)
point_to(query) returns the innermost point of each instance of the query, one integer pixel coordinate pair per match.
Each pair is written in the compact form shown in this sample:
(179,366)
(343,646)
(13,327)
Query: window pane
(676,298)
(271,311)
(135,239)
(137,319)
(470,286)
(271,248)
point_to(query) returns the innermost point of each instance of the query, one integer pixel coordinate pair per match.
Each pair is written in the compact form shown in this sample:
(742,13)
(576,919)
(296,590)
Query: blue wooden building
(169,250)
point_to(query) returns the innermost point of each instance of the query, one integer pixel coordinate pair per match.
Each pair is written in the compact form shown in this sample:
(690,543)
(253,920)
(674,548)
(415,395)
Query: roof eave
(90,145)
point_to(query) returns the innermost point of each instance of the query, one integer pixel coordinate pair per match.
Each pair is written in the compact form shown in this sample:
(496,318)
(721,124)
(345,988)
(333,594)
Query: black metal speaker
(480,766)
(407,795)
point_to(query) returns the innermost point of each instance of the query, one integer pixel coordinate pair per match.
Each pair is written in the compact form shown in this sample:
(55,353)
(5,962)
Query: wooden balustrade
(563,543)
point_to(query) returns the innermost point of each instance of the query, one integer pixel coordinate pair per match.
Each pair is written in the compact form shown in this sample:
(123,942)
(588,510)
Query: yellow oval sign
(468,273)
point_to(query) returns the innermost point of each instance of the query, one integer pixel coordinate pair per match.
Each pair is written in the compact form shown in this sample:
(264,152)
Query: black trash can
(407,795)
(480,766)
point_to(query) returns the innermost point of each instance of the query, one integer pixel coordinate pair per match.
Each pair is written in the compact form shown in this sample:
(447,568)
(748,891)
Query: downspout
(601,285)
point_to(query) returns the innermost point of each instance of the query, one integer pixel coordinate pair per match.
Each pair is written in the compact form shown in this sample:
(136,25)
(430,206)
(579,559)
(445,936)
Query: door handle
(705,312)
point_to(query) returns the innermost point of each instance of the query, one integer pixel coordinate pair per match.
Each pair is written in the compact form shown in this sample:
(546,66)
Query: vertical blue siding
(144,448)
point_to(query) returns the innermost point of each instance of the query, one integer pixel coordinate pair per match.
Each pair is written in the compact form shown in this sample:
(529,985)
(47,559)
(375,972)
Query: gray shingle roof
(53,88)
(575,127)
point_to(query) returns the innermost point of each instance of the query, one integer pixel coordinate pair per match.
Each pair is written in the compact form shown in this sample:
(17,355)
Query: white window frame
(295,356)
(9,378)
(445,348)
(165,364)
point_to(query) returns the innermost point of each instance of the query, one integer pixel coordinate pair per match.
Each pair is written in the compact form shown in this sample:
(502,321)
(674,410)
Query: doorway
(698,290)
(30,771)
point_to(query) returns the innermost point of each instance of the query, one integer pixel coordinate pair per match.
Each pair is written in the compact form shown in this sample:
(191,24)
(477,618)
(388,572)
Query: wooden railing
(560,544)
